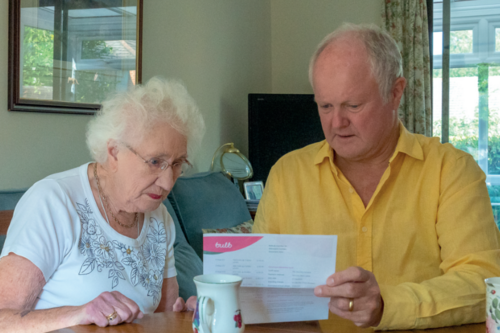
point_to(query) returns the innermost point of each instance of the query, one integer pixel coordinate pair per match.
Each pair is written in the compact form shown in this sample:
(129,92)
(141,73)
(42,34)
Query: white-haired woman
(95,244)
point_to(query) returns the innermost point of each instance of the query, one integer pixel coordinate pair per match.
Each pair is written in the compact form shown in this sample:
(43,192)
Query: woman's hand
(100,308)
(180,305)
(22,282)
(170,300)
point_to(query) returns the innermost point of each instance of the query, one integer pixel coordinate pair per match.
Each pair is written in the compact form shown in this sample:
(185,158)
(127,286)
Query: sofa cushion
(187,263)
(9,199)
(2,242)
(209,201)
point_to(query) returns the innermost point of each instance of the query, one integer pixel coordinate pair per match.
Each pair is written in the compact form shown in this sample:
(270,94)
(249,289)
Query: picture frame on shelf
(253,190)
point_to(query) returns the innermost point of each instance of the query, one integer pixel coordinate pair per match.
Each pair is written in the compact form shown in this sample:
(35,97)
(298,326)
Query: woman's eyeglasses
(157,165)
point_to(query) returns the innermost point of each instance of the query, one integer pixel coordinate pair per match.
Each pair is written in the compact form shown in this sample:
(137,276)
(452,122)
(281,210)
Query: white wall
(221,49)
(297,28)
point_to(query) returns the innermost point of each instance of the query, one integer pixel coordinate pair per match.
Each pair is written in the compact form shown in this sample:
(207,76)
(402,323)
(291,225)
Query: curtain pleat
(406,21)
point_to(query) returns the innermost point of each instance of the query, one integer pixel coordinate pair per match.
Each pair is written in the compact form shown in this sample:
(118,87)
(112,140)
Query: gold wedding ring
(112,316)
(351,304)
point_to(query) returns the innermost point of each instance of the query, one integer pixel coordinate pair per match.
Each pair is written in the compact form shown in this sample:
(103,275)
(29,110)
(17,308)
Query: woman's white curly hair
(127,116)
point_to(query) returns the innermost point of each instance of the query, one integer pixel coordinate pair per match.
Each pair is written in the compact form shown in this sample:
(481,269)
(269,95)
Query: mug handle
(204,311)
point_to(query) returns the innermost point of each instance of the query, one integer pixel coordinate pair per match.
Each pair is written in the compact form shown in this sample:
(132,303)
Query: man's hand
(107,303)
(359,286)
(189,305)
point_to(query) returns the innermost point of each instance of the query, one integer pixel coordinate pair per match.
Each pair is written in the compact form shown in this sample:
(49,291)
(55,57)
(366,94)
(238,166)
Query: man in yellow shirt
(416,235)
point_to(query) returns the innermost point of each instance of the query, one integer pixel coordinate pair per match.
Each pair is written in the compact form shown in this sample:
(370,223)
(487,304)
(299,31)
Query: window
(460,42)
(497,38)
(71,54)
(474,85)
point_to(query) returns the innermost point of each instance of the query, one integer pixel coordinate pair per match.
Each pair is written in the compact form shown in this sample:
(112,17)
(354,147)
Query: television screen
(278,124)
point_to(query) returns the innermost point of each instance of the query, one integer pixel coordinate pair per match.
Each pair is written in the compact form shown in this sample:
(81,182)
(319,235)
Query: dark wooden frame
(15,103)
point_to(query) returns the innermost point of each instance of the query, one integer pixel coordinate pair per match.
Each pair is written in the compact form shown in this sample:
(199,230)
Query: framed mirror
(228,160)
(233,164)
(66,56)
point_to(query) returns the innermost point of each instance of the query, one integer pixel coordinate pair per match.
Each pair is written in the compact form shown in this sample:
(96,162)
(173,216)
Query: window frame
(485,19)
(16,103)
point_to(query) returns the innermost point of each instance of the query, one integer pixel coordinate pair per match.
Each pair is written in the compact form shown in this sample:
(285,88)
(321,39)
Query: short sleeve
(169,270)
(42,228)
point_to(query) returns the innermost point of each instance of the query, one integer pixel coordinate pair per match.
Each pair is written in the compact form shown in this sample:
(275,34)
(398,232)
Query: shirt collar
(407,144)
(325,152)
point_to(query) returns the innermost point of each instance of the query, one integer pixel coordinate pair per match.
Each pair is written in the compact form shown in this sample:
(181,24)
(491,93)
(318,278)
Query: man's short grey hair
(384,56)
(128,116)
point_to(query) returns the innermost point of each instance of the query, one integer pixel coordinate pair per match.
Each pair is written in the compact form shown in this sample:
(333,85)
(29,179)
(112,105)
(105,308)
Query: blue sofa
(204,200)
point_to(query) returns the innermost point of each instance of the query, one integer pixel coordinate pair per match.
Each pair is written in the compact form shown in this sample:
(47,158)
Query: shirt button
(365,229)
(351,190)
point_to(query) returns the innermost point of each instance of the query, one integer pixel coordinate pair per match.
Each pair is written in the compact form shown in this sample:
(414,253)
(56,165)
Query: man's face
(357,123)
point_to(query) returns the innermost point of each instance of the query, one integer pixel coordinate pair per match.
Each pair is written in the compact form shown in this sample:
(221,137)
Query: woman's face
(140,186)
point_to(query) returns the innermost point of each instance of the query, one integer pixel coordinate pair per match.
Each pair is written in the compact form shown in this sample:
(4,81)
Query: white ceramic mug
(218,305)
(493,305)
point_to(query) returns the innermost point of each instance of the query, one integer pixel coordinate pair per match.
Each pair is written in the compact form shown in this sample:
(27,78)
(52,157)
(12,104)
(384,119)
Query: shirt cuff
(399,309)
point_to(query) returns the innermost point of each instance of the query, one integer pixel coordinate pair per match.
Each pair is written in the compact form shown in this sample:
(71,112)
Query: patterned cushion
(244,228)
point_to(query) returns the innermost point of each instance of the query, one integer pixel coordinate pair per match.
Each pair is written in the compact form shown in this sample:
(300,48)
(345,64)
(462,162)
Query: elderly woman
(95,244)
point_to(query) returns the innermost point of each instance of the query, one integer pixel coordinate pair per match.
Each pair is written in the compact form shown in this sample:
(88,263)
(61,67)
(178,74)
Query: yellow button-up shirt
(427,234)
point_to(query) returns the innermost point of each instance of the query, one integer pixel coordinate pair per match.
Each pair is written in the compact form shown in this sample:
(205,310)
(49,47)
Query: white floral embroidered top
(58,227)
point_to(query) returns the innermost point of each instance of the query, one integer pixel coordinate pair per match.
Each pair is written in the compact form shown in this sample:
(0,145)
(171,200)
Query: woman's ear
(113,150)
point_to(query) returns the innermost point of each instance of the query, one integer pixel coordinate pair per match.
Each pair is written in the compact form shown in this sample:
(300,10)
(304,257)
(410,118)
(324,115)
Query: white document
(279,273)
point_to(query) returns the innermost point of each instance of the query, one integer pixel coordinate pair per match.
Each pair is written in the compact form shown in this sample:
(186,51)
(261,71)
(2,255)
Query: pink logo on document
(228,244)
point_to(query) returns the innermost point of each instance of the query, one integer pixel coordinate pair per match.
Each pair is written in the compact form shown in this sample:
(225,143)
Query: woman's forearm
(39,320)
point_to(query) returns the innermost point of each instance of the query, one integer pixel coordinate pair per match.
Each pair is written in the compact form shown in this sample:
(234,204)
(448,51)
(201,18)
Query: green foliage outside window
(464,136)
(38,46)
(95,86)
(497,39)
(456,72)
(95,49)
(91,86)
(461,41)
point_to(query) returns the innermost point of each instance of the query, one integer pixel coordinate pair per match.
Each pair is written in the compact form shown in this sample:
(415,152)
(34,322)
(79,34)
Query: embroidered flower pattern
(146,264)
(492,309)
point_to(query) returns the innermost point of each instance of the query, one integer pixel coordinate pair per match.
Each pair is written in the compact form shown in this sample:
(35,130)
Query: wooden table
(181,323)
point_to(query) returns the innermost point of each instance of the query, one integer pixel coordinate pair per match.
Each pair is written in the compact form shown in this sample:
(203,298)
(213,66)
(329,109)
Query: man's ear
(397,92)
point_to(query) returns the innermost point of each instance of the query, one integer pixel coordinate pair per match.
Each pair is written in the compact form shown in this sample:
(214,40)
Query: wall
(297,28)
(221,49)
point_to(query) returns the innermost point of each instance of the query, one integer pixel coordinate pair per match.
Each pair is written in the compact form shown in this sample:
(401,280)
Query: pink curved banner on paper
(228,244)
